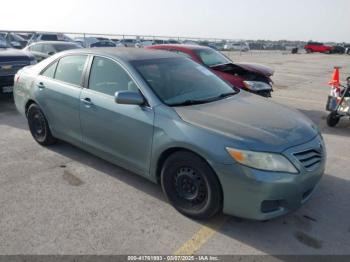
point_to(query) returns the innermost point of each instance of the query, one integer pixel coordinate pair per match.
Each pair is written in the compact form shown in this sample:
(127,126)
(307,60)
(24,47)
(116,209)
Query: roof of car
(127,53)
(54,43)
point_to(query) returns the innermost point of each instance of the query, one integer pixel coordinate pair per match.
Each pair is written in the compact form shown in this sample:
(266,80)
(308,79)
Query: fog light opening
(268,206)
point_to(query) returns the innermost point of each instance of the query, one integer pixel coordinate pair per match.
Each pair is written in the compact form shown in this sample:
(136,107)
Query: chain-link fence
(143,40)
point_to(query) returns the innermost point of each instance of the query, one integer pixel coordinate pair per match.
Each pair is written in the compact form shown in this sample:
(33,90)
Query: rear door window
(70,69)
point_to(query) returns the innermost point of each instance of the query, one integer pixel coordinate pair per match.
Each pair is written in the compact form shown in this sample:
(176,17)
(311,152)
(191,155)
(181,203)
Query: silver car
(45,49)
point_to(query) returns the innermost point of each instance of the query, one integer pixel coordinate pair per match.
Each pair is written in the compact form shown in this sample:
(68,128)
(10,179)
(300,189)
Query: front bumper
(261,195)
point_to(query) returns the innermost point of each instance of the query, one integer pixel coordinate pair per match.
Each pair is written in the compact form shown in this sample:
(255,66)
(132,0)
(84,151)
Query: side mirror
(129,98)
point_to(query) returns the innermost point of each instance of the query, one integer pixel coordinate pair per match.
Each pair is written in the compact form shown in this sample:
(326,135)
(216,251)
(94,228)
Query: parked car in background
(144,43)
(316,47)
(160,42)
(15,40)
(338,49)
(190,42)
(88,42)
(25,36)
(42,50)
(39,37)
(254,78)
(11,60)
(171,120)
(173,41)
(237,46)
(347,49)
(128,42)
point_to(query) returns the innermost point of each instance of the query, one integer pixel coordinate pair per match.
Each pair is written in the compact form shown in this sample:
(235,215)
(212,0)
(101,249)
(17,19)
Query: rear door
(120,133)
(58,92)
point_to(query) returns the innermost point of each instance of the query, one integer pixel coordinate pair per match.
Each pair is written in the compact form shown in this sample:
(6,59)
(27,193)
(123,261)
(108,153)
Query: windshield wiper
(223,95)
(221,64)
(203,101)
(191,102)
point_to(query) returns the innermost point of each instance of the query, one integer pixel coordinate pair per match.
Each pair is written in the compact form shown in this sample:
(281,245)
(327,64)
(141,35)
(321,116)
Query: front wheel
(38,126)
(191,186)
(333,119)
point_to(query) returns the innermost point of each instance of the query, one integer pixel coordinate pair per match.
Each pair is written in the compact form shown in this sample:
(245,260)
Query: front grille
(6,81)
(310,159)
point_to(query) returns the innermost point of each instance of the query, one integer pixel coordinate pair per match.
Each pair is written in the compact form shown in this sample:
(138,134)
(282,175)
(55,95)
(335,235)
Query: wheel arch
(28,104)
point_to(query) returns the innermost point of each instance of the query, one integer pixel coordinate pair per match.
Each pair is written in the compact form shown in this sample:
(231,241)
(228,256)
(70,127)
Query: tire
(308,51)
(38,126)
(333,119)
(191,186)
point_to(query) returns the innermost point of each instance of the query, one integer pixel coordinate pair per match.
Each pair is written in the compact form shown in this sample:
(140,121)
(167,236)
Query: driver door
(121,134)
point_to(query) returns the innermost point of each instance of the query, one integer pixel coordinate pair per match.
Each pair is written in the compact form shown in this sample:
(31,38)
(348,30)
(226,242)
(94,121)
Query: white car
(237,46)
(39,37)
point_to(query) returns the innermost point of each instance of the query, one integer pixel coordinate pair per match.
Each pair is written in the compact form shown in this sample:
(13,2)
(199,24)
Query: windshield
(3,42)
(211,57)
(179,81)
(63,47)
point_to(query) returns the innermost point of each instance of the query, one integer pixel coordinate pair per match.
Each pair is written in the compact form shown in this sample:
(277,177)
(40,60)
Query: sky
(318,20)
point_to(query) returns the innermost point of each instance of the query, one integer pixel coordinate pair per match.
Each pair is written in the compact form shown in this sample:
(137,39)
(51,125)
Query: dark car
(42,50)
(11,60)
(254,78)
(338,49)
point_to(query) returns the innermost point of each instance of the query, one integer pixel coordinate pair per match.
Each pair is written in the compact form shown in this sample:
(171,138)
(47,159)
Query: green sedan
(211,146)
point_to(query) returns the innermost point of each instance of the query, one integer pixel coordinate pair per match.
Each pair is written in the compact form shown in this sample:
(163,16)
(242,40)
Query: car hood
(257,68)
(261,125)
(11,54)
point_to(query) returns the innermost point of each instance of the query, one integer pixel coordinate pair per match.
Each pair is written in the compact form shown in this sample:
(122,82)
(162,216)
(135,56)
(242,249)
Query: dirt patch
(308,240)
(72,179)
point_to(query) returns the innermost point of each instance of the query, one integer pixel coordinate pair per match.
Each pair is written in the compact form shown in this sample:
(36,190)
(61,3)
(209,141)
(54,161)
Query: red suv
(251,77)
(315,47)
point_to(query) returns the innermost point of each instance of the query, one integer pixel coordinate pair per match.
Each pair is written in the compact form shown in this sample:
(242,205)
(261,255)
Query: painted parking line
(199,238)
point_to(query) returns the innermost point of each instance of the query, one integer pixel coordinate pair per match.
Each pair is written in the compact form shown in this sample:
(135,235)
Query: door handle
(41,85)
(86,101)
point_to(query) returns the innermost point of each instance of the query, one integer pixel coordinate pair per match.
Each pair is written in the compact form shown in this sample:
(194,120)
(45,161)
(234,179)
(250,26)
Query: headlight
(263,161)
(256,85)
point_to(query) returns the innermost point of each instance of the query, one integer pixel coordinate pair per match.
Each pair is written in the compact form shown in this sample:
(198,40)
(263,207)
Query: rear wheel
(38,126)
(191,186)
(333,119)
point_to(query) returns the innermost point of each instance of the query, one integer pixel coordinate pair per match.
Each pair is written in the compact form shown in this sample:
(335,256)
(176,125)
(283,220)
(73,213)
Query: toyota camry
(211,147)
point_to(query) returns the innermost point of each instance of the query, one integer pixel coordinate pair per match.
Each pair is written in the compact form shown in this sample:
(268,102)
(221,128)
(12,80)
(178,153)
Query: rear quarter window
(50,71)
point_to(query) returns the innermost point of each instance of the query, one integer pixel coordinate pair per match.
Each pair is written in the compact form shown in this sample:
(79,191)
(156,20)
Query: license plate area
(7,89)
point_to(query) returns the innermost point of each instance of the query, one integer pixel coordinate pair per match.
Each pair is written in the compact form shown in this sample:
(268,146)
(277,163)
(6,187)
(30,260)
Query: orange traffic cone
(335,82)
